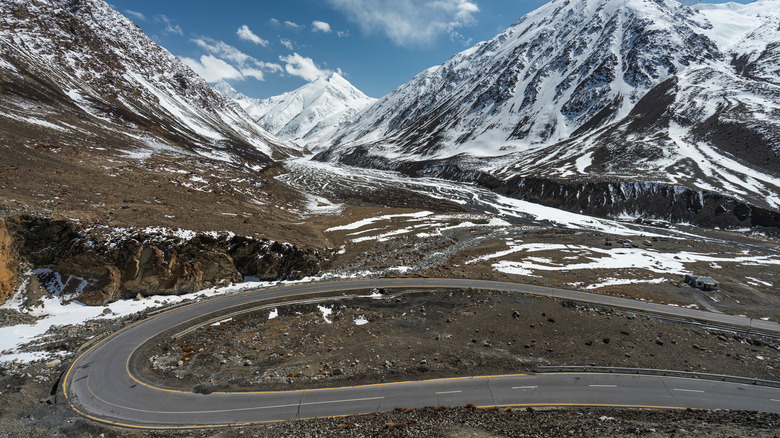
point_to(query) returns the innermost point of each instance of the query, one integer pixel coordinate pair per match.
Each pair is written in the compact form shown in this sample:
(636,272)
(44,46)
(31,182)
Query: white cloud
(245,65)
(287,43)
(275,22)
(170,27)
(320,26)
(306,68)
(136,15)
(409,22)
(270,67)
(458,37)
(342,33)
(223,50)
(246,34)
(293,25)
(253,73)
(212,69)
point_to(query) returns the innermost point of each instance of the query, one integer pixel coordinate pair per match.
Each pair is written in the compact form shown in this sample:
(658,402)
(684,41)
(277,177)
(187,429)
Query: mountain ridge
(606,90)
(90,62)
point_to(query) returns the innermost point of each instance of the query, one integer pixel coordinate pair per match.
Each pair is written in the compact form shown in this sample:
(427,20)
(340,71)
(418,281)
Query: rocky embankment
(656,201)
(97,265)
(607,199)
(9,265)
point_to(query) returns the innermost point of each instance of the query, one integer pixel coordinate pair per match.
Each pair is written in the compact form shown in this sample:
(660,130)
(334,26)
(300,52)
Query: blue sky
(266,47)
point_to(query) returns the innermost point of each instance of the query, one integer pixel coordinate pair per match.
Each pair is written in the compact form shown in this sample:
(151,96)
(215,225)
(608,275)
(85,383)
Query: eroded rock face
(101,265)
(9,265)
(178,269)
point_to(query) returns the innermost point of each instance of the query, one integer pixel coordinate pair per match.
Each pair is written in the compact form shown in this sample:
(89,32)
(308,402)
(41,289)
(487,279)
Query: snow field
(664,265)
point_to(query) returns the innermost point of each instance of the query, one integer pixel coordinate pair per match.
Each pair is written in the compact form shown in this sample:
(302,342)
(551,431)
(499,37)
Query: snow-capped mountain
(308,115)
(639,90)
(80,69)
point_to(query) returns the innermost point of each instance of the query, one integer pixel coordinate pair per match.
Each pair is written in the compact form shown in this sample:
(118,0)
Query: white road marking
(342,401)
(603,386)
(252,408)
(772,399)
(524,387)
(688,390)
(448,392)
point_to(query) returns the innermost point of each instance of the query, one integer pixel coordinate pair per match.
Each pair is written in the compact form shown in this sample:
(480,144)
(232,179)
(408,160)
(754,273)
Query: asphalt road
(100,385)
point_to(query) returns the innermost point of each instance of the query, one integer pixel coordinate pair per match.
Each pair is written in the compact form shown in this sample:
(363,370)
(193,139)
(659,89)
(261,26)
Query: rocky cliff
(98,265)
(9,265)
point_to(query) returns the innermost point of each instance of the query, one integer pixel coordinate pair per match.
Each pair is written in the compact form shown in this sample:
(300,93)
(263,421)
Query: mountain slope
(596,90)
(90,70)
(101,125)
(309,114)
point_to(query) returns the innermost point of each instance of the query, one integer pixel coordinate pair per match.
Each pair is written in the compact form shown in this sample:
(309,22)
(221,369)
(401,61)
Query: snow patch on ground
(362,223)
(618,281)
(221,322)
(756,282)
(317,205)
(326,312)
(586,257)
(56,311)
(423,224)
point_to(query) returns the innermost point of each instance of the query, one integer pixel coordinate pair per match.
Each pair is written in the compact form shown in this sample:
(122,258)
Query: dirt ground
(746,288)
(431,334)
(736,294)
(450,422)
(98,186)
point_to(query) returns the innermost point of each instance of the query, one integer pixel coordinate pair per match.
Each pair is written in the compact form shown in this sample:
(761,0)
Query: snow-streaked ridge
(122,79)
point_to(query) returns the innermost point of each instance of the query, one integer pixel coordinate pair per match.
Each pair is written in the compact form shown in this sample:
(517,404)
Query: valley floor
(383,224)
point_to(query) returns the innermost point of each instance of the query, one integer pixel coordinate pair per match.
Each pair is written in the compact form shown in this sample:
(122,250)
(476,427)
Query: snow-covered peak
(743,29)
(307,114)
(545,78)
(227,90)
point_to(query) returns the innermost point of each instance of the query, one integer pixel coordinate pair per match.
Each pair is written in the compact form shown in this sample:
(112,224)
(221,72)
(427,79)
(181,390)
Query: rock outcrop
(99,265)
(9,265)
